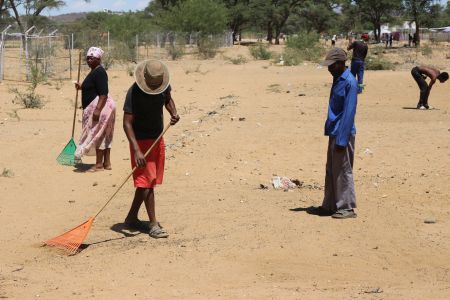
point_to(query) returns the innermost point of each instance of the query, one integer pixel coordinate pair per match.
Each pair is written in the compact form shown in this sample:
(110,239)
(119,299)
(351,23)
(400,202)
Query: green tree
(378,12)
(239,14)
(204,16)
(417,10)
(315,15)
(272,15)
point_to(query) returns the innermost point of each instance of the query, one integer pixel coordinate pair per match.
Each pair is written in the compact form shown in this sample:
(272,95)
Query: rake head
(72,239)
(67,156)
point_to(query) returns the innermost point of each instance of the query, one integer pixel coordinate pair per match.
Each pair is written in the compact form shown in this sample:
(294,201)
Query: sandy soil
(229,239)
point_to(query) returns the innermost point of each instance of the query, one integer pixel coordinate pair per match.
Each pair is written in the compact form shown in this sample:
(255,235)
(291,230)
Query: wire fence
(53,54)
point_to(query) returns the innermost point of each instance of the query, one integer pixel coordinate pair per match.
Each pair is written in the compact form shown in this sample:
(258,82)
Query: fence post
(109,49)
(137,47)
(2,57)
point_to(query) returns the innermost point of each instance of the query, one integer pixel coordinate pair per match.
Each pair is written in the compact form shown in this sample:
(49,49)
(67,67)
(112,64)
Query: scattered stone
(7,173)
(301,95)
(430,220)
(376,290)
(213,112)
(95,183)
(297,182)
(263,186)
(241,119)
(71,201)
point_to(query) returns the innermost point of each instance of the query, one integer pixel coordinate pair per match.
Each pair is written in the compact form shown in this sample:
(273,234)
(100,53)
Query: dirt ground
(228,238)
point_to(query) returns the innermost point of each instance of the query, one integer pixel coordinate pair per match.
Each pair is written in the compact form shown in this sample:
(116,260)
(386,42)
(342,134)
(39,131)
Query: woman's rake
(67,155)
(71,240)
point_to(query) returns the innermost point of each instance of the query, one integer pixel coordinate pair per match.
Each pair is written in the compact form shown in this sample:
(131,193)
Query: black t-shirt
(359,50)
(95,84)
(147,111)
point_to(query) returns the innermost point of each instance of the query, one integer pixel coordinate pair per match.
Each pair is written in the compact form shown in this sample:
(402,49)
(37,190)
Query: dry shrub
(260,51)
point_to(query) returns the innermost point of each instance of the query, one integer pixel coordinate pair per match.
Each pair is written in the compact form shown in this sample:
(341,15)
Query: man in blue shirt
(339,199)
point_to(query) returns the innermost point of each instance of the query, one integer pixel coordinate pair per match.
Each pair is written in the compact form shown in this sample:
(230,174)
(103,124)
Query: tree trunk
(375,33)
(417,32)
(379,32)
(277,35)
(269,32)
(19,23)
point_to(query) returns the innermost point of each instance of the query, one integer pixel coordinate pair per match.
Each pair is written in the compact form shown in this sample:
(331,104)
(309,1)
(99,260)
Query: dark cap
(334,55)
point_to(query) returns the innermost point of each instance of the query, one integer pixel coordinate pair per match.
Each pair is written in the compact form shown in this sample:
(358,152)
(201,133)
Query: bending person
(99,113)
(420,74)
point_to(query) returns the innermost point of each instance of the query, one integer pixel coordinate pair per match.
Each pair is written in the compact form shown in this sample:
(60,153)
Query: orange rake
(71,240)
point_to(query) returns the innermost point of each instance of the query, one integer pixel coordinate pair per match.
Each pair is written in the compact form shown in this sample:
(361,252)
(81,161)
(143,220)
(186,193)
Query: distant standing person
(359,55)
(143,123)
(420,74)
(339,197)
(99,113)
(410,39)
(333,40)
(391,38)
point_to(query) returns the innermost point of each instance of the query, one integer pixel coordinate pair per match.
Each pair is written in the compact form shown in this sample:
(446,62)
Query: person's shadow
(121,228)
(82,168)
(299,209)
(128,231)
(312,210)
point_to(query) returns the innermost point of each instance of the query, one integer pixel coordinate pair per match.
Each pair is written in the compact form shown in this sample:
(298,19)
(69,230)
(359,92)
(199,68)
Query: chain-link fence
(47,53)
(53,54)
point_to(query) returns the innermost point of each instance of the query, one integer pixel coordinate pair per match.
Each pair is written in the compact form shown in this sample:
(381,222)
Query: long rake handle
(132,171)
(76,95)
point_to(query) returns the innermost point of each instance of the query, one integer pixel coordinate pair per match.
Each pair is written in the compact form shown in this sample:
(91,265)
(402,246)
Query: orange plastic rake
(71,240)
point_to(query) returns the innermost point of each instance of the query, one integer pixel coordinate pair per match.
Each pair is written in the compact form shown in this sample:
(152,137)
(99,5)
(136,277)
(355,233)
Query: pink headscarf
(95,52)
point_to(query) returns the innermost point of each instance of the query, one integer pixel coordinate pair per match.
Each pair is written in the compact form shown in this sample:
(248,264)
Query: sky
(98,5)
(114,5)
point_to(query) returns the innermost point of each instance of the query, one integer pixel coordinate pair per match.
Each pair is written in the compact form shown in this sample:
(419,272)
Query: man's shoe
(318,211)
(344,214)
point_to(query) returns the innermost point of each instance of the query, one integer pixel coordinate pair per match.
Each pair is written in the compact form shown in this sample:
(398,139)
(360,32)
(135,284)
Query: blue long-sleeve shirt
(342,108)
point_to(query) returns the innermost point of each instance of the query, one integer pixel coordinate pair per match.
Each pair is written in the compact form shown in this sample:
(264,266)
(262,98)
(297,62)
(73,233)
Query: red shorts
(153,172)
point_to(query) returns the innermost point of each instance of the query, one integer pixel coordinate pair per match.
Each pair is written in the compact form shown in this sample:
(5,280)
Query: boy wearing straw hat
(143,123)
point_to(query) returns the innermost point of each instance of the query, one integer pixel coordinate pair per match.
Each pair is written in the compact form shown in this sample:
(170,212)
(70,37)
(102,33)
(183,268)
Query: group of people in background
(143,124)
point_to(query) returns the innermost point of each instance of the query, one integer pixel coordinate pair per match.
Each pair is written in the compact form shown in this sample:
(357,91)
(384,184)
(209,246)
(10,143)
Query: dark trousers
(339,186)
(423,86)
(357,69)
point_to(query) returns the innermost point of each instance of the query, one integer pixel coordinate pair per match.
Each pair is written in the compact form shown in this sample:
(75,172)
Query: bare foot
(107,167)
(95,168)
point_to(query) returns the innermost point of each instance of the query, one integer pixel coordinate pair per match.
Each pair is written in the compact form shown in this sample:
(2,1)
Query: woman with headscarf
(99,113)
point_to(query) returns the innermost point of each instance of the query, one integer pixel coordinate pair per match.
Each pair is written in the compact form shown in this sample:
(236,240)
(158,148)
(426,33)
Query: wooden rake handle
(132,171)
(76,95)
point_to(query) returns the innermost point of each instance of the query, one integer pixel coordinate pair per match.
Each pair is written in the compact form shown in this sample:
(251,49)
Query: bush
(260,52)
(426,50)
(107,61)
(378,63)
(29,98)
(303,40)
(292,57)
(175,51)
(239,60)
(130,70)
(122,52)
(207,48)
(304,46)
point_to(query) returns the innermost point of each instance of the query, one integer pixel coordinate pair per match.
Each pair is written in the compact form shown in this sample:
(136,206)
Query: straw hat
(152,76)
